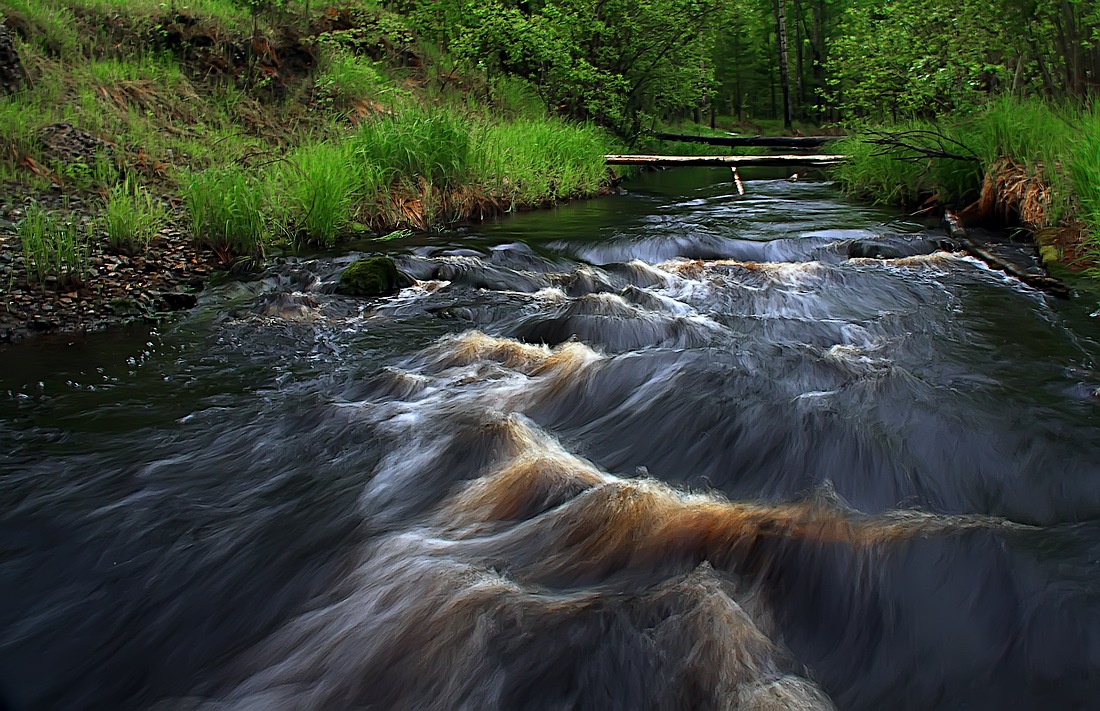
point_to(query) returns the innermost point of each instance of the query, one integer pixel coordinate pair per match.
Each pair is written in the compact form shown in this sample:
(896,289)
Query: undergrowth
(344,144)
(1033,150)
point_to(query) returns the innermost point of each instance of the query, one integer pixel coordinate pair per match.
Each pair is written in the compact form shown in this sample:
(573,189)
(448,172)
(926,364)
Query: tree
(779,7)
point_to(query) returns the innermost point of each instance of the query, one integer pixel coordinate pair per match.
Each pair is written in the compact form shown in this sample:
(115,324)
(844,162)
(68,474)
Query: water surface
(671,449)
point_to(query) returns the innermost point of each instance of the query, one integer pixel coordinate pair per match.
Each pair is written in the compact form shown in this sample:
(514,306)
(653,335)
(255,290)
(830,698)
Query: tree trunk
(1073,49)
(779,7)
(800,89)
(732,161)
(817,43)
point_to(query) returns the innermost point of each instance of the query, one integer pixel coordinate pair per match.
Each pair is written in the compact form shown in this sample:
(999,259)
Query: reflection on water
(674,449)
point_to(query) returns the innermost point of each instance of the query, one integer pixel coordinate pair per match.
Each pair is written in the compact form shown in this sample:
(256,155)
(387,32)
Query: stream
(672,449)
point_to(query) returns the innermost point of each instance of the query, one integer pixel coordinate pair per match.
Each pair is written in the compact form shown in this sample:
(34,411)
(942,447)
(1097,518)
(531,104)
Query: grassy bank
(1028,162)
(284,129)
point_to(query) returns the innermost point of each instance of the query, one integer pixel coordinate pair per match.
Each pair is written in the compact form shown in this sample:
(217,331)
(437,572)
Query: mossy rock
(371,276)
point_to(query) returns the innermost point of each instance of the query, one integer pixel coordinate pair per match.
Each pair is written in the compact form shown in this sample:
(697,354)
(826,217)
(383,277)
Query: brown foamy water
(671,450)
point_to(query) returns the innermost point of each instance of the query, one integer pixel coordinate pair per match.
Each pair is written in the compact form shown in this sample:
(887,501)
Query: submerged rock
(372,276)
(890,246)
(288,307)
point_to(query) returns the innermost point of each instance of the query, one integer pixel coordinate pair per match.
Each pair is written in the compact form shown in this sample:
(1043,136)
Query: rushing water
(673,449)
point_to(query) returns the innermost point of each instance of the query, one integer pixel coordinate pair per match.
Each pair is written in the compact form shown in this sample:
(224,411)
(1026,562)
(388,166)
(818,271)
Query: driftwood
(1038,281)
(733,161)
(766,141)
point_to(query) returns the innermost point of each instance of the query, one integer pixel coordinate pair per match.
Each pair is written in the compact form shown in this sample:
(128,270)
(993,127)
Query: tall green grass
(55,249)
(532,161)
(1084,171)
(1058,143)
(424,161)
(320,187)
(433,146)
(344,77)
(904,175)
(50,25)
(875,175)
(226,206)
(131,217)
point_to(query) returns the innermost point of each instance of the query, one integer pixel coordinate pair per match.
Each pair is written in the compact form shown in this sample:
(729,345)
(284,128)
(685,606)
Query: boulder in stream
(892,246)
(372,276)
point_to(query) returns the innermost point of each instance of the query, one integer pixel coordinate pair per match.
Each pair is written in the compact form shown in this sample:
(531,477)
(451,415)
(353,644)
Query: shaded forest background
(624,64)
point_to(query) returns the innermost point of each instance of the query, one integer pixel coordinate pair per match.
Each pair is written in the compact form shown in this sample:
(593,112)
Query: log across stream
(731,161)
(668,449)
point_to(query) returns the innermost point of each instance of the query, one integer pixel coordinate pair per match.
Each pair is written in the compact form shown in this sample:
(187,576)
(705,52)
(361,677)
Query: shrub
(345,78)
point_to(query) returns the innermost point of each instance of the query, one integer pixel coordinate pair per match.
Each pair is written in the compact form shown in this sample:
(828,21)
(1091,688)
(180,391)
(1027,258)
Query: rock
(289,307)
(124,307)
(177,300)
(69,144)
(372,276)
(11,69)
(890,246)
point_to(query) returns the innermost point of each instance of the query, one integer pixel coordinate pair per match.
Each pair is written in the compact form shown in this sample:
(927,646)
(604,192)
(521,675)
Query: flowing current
(675,449)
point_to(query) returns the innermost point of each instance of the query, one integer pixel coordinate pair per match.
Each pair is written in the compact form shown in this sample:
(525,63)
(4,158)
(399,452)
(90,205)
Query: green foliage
(429,145)
(320,187)
(54,248)
(606,60)
(226,209)
(345,77)
(534,161)
(930,57)
(1084,170)
(132,217)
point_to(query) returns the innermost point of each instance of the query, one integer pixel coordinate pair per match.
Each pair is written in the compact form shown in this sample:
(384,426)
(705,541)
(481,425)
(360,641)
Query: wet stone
(372,276)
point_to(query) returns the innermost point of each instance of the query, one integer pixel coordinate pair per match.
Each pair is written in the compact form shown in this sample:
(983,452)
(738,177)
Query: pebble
(169,274)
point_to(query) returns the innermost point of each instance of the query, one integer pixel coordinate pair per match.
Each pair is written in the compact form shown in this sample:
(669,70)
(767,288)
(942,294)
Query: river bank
(170,146)
(1029,164)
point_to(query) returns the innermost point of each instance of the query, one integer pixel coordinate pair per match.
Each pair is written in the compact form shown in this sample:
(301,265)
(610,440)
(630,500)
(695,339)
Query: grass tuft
(55,250)
(345,78)
(131,217)
(320,187)
(417,144)
(534,161)
(226,209)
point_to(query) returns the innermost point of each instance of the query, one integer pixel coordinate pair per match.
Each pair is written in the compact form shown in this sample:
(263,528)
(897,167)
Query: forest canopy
(623,63)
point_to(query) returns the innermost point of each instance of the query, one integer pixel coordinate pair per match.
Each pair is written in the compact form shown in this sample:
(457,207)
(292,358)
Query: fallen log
(766,141)
(685,161)
(1038,281)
